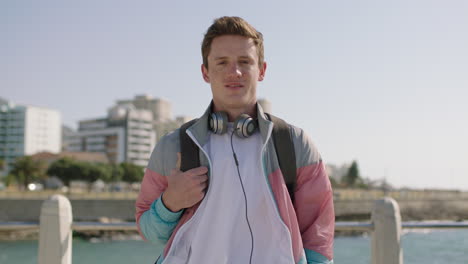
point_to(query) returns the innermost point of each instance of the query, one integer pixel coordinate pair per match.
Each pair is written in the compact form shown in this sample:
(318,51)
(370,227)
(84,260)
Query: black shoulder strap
(285,152)
(189,153)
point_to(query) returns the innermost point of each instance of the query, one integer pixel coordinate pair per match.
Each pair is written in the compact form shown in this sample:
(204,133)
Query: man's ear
(261,76)
(204,71)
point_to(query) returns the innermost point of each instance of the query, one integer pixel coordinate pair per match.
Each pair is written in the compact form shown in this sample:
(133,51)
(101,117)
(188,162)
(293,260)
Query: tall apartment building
(161,109)
(163,122)
(26,130)
(125,135)
(67,133)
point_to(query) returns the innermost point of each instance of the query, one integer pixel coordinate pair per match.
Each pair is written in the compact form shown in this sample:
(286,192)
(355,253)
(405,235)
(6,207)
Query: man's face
(233,72)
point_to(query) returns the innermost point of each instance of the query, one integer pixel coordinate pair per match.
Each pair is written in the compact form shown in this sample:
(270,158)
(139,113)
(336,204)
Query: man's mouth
(234,85)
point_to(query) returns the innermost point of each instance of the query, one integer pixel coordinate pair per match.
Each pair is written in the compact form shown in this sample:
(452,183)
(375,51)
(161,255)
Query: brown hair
(231,26)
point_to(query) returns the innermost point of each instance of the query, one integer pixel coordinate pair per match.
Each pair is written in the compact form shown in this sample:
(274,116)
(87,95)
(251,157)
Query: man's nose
(234,70)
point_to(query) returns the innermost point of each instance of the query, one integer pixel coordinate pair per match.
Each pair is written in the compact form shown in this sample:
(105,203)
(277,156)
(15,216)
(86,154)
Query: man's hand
(185,189)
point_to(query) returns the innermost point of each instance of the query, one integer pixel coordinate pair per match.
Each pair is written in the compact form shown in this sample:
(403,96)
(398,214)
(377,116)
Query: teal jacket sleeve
(158,223)
(316,258)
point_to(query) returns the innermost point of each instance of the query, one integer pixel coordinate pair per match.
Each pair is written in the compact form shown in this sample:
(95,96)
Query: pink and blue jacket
(310,219)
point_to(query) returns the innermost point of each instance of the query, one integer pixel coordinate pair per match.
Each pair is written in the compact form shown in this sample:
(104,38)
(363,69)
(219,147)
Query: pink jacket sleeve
(314,208)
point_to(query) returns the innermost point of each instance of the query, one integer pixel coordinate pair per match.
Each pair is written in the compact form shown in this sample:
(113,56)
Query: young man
(235,207)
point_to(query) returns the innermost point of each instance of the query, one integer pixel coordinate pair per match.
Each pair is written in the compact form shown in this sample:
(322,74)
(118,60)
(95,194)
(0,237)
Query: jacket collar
(200,129)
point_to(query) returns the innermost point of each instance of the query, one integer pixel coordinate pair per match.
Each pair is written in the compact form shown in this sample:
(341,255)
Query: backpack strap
(285,152)
(189,152)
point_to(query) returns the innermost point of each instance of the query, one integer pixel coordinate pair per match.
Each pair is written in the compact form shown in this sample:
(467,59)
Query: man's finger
(202,178)
(197,171)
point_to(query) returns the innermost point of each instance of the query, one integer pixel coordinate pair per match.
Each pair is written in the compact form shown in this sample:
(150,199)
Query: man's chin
(237,104)
(234,102)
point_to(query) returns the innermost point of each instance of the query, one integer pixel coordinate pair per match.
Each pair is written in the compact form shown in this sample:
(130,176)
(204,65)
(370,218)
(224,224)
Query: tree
(131,172)
(117,173)
(67,169)
(26,170)
(352,177)
(97,171)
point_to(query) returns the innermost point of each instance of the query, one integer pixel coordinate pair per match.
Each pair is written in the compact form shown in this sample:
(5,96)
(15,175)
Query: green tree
(117,172)
(67,169)
(97,171)
(131,172)
(26,170)
(352,177)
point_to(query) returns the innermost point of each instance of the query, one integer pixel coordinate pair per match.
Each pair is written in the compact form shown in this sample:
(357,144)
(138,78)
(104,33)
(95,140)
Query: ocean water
(419,247)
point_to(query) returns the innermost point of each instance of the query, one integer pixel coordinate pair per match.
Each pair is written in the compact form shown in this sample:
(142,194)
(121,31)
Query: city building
(161,109)
(67,133)
(166,127)
(26,130)
(125,135)
(163,122)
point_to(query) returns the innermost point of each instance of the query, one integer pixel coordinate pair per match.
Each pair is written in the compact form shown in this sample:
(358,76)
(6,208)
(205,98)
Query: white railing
(56,226)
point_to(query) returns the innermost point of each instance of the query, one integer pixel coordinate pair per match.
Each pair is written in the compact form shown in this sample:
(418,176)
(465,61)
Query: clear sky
(381,82)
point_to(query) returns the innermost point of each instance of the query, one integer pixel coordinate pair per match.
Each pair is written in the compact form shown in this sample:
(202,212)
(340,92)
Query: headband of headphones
(244,125)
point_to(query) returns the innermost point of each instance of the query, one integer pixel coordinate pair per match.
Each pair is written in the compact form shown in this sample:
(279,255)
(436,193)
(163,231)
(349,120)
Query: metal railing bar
(434,225)
(13,226)
(131,226)
(354,226)
(90,226)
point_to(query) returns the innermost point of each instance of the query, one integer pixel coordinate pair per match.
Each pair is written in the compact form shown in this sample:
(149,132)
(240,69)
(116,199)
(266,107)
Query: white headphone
(244,125)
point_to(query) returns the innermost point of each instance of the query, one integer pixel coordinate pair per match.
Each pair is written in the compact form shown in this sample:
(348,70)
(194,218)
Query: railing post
(386,246)
(55,233)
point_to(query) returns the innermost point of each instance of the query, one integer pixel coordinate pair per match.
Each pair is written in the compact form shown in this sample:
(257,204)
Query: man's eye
(245,62)
(221,63)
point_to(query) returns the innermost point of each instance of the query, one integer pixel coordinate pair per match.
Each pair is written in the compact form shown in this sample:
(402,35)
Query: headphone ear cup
(245,126)
(218,122)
